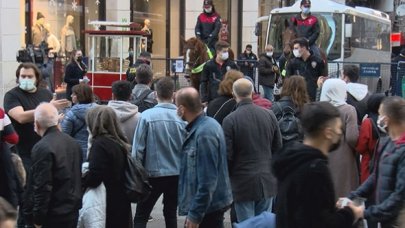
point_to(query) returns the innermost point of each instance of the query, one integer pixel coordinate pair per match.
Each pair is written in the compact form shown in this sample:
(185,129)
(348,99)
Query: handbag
(94,210)
(136,184)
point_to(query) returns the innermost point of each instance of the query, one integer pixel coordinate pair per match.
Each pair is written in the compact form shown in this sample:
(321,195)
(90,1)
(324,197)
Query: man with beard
(306,196)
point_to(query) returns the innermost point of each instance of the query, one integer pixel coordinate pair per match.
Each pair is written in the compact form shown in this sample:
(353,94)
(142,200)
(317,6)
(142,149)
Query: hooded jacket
(357,96)
(128,116)
(74,124)
(306,197)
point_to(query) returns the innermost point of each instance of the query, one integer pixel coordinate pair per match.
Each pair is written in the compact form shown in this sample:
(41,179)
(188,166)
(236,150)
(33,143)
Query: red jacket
(262,102)
(7,132)
(365,146)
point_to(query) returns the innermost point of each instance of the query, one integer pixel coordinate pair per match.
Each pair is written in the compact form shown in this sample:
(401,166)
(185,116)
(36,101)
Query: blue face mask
(306,10)
(27,84)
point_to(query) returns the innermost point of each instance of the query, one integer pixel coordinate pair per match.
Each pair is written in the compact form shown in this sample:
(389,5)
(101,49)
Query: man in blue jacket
(157,145)
(204,186)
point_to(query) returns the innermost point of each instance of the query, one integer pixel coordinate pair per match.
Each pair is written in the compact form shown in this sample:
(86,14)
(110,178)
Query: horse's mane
(199,49)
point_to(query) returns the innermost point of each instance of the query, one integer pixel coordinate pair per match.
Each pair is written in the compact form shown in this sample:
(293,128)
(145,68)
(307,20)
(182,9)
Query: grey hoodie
(128,116)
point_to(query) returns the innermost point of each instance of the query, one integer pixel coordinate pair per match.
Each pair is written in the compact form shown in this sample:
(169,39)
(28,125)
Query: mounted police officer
(208,25)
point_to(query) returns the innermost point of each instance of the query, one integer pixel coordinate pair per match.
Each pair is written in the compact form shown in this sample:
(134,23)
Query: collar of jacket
(51,130)
(193,124)
(245,101)
(166,105)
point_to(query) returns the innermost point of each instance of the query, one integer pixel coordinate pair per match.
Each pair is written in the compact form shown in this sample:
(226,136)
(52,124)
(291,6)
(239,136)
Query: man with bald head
(204,187)
(53,195)
(252,137)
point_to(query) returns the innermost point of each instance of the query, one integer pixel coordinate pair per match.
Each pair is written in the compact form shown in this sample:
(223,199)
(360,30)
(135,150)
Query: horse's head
(195,53)
(288,36)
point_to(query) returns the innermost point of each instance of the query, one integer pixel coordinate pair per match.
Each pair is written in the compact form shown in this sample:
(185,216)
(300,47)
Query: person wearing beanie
(208,25)
(39,33)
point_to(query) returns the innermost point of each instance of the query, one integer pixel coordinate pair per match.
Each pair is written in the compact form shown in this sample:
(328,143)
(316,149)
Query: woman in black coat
(221,106)
(74,72)
(107,162)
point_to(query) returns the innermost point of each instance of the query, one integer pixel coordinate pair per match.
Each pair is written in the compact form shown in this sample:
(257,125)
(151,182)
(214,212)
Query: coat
(107,162)
(73,73)
(306,197)
(342,162)
(267,75)
(93,212)
(74,124)
(252,137)
(386,184)
(53,191)
(220,107)
(211,76)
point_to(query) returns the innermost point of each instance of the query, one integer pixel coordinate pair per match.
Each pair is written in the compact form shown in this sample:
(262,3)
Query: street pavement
(159,221)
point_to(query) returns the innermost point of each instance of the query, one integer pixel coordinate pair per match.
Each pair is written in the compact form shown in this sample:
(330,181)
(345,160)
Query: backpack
(141,103)
(289,124)
(136,184)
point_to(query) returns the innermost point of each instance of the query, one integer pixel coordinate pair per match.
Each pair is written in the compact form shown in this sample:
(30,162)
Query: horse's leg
(195,81)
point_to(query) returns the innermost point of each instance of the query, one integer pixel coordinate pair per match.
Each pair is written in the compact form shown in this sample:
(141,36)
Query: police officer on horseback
(307,26)
(208,25)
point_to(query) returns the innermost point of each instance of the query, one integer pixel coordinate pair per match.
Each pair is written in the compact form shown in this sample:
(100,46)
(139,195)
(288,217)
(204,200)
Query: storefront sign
(370,70)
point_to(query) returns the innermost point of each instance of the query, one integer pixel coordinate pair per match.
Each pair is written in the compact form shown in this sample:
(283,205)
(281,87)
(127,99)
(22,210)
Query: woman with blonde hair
(107,162)
(221,106)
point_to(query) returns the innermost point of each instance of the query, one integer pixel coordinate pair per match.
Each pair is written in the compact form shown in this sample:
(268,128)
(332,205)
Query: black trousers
(160,185)
(213,220)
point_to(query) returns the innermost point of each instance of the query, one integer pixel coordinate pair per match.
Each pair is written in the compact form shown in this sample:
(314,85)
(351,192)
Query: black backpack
(141,103)
(289,124)
(136,184)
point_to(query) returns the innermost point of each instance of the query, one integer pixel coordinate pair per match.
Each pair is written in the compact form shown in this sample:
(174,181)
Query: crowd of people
(311,156)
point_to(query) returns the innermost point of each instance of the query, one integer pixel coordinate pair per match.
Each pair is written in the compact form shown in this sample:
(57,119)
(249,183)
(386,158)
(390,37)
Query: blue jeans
(268,93)
(249,209)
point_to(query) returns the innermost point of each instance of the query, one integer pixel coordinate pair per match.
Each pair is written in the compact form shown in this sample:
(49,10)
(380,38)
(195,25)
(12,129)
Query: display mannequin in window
(53,42)
(68,37)
(39,32)
(208,25)
(148,34)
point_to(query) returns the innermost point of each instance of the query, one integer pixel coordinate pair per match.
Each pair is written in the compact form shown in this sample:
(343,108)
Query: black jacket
(211,76)
(306,197)
(278,106)
(360,106)
(308,27)
(207,28)
(131,71)
(54,185)
(220,107)
(267,75)
(250,59)
(73,73)
(252,137)
(386,184)
(310,69)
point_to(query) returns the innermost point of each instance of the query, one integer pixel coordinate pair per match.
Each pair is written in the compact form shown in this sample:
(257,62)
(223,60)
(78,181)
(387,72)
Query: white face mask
(225,56)
(382,126)
(27,84)
(297,53)
(208,10)
(269,54)
(306,10)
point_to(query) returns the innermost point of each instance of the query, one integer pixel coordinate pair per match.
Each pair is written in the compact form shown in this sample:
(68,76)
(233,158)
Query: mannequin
(53,42)
(149,34)
(68,38)
(38,31)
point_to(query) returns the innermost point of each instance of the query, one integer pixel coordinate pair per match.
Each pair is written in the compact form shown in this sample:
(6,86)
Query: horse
(289,34)
(196,54)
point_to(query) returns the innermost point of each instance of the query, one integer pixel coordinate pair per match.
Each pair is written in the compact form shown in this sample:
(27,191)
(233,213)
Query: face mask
(297,53)
(306,10)
(381,124)
(248,52)
(269,54)
(208,10)
(225,56)
(79,58)
(27,84)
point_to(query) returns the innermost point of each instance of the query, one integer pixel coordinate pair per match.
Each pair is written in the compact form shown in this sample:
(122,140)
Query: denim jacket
(204,185)
(158,139)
